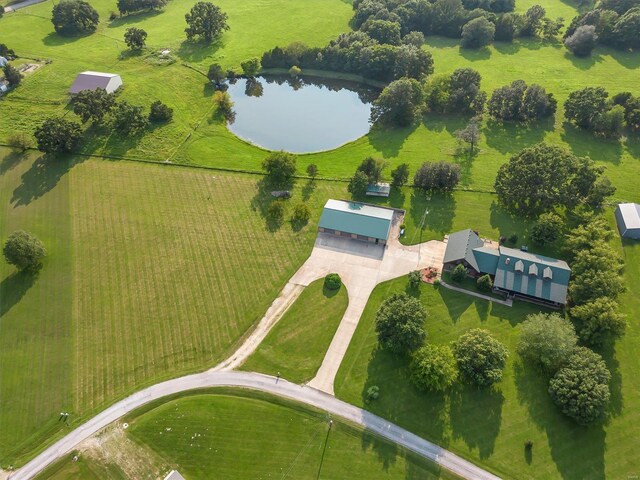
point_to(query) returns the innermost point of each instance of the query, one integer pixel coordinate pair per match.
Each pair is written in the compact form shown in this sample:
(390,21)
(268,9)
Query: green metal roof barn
(357,219)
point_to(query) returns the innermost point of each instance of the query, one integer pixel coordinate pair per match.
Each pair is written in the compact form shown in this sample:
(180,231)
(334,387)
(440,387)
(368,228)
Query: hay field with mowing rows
(153,271)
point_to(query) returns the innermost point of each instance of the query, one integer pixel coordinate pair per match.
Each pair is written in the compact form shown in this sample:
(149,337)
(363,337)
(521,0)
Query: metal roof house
(109,82)
(628,220)
(356,220)
(518,273)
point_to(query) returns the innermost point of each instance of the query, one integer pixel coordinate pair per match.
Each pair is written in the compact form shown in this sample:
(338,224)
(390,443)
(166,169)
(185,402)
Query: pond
(299,116)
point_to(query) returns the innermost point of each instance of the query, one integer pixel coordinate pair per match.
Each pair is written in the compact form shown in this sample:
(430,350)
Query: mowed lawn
(298,343)
(153,271)
(490,426)
(250,435)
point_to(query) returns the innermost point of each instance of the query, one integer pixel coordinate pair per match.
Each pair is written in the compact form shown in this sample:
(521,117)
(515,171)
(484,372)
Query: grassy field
(153,271)
(292,439)
(197,434)
(491,426)
(298,343)
(257,25)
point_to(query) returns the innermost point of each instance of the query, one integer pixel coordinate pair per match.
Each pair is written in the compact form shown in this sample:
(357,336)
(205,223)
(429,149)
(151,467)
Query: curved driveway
(264,383)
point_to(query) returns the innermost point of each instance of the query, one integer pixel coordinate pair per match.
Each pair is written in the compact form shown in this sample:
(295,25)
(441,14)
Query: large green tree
(434,368)
(547,340)
(581,387)
(93,104)
(584,107)
(477,33)
(481,358)
(400,103)
(442,176)
(24,250)
(280,167)
(547,229)
(129,119)
(57,135)
(71,17)
(12,75)
(543,176)
(598,320)
(205,20)
(135,38)
(384,31)
(399,323)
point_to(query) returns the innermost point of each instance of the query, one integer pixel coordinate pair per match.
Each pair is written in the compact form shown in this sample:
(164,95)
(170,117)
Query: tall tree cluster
(521,102)
(358,53)
(596,283)
(74,17)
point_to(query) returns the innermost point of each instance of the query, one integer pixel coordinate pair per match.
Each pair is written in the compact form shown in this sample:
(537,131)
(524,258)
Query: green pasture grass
(491,426)
(84,468)
(298,343)
(195,136)
(250,435)
(153,271)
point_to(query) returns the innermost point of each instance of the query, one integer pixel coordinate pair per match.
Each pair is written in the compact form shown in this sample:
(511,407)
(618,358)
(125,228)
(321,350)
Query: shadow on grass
(385,451)
(477,431)
(475,54)
(44,175)
(308,189)
(328,293)
(14,287)
(507,48)
(107,142)
(133,18)
(441,211)
(54,39)
(389,140)
(262,199)
(616,404)
(11,161)
(511,137)
(584,63)
(585,144)
(196,51)
(400,402)
(577,451)
(456,302)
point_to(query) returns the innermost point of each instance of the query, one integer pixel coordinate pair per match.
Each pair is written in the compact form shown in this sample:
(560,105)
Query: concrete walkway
(508,302)
(264,383)
(362,266)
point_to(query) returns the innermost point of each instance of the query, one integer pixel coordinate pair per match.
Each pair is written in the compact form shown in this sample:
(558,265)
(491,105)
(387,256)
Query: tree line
(476,22)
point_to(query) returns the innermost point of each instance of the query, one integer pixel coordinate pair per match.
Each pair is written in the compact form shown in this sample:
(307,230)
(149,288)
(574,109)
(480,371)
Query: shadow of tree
(511,137)
(133,18)
(584,63)
(54,39)
(585,143)
(308,189)
(389,140)
(441,207)
(196,51)
(14,287)
(262,199)
(385,451)
(475,54)
(11,161)
(616,404)
(44,174)
(398,397)
(456,302)
(577,451)
(483,431)
(507,48)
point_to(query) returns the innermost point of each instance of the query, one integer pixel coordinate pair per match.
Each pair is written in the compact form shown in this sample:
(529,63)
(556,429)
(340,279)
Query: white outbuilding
(109,82)
(628,219)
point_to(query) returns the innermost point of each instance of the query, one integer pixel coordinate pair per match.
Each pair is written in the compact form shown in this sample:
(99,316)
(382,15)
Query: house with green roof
(359,221)
(514,272)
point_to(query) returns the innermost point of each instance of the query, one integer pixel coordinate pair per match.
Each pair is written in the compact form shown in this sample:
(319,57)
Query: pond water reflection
(299,116)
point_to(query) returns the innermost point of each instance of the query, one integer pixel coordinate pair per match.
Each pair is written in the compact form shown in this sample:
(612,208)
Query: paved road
(255,381)
(23,4)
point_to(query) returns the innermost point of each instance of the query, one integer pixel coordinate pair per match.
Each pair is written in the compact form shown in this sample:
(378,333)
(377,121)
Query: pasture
(153,271)
(196,136)
(490,426)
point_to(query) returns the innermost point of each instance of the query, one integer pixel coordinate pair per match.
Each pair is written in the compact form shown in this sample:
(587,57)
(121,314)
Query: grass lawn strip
(298,343)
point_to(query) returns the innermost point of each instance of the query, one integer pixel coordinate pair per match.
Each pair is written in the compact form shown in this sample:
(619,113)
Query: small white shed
(628,219)
(109,82)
